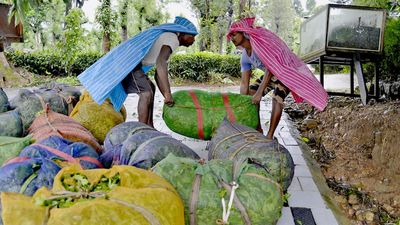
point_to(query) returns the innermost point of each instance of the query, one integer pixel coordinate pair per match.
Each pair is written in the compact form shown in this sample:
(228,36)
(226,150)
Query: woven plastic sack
(198,113)
(57,148)
(98,119)
(50,123)
(4,105)
(11,147)
(26,175)
(142,146)
(257,198)
(236,142)
(118,134)
(30,103)
(145,149)
(141,198)
(11,124)
(70,93)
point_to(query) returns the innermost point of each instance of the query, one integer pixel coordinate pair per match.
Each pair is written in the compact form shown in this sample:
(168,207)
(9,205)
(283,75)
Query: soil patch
(357,148)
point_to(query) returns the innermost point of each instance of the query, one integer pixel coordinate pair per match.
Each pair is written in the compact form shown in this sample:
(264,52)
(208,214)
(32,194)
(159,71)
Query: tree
(147,14)
(298,8)
(280,17)
(73,38)
(123,12)
(107,18)
(213,18)
(21,7)
(310,4)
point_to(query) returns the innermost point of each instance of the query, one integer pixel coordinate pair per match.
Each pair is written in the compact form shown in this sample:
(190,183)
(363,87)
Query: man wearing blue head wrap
(123,69)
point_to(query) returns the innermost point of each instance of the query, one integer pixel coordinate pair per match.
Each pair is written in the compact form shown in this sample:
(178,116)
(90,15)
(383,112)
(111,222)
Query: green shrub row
(200,66)
(196,67)
(44,63)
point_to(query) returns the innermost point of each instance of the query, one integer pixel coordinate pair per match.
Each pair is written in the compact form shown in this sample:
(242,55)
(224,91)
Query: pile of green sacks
(257,199)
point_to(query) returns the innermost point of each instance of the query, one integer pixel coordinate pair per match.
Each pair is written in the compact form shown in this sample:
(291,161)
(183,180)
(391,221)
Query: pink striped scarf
(283,63)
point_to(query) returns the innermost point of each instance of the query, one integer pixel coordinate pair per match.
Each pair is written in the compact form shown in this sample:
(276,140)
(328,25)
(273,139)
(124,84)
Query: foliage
(199,66)
(72,43)
(390,65)
(46,63)
(281,19)
(107,18)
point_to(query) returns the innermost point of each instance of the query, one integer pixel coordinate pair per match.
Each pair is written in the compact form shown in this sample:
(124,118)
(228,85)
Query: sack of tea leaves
(147,148)
(70,93)
(198,113)
(4,105)
(58,149)
(121,195)
(137,144)
(11,124)
(237,142)
(30,103)
(11,147)
(98,119)
(118,134)
(256,196)
(50,123)
(26,175)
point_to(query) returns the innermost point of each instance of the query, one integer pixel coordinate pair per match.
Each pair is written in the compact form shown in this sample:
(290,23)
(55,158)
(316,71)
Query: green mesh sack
(11,124)
(10,147)
(257,200)
(30,103)
(198,113)
(3,101)
(236,142)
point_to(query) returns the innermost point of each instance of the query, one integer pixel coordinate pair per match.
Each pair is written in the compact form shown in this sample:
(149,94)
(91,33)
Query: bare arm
(264,83)
(245,82)
(161,76)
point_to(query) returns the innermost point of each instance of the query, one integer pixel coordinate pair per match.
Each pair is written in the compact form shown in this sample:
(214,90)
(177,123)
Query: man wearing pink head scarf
(284,71)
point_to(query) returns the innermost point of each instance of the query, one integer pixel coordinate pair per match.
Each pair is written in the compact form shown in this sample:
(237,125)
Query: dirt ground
(357,148)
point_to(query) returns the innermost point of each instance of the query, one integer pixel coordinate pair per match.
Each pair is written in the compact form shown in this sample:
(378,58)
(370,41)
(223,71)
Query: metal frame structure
(352,57)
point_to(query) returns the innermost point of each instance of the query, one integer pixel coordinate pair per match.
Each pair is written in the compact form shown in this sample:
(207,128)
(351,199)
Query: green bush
(198,67)
(45,63)
(390,65)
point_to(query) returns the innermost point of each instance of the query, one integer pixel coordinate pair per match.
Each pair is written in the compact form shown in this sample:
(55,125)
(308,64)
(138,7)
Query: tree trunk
(4,64)
(124,21)
(241,7)
(230,14)
(124,33)
(106,42)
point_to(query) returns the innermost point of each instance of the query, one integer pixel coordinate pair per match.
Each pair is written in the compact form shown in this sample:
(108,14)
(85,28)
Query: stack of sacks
(121,195)
(223,191)
(236,142)
(28,103)
(38,164)
(136,144)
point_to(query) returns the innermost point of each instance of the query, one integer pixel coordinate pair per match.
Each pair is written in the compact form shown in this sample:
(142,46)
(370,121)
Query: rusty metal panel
(9,32)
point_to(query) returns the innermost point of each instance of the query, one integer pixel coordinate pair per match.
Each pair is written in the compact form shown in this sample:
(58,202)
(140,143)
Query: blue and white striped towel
(103,79)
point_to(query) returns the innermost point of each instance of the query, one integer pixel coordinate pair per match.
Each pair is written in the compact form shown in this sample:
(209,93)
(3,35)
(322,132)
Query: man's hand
(169,101)
(256,98)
